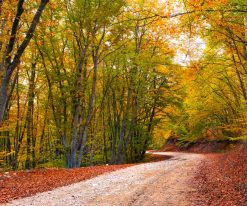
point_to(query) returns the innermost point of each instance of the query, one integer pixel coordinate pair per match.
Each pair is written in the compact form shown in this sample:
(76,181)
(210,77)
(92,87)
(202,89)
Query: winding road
(164,183)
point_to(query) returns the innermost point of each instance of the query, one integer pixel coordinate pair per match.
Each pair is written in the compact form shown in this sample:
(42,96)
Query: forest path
(159,183)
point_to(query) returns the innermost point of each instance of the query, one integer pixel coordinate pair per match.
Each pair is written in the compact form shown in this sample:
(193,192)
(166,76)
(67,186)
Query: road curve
(164,183)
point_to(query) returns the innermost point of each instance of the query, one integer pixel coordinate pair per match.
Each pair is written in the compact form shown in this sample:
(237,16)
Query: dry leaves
(222,179)
(14,185)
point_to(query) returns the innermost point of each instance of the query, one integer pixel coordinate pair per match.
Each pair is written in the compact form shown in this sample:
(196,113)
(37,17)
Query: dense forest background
(99,81)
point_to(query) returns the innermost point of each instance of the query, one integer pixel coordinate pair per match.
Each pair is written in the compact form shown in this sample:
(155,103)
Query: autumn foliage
(98,81)
(19,184)
(222,179)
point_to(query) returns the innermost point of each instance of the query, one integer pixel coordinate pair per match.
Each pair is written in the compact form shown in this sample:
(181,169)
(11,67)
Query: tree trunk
(9,66)
(29,119)
(83,138)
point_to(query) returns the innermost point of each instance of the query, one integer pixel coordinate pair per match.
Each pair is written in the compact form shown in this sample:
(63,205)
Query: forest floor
(18,184)
(183,179)
(221,180)
(157,183)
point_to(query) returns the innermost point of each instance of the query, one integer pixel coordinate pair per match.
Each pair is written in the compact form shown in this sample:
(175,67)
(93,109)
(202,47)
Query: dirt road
(165,183)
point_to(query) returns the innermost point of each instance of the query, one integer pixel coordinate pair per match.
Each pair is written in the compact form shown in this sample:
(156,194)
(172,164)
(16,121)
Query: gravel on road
(159,183)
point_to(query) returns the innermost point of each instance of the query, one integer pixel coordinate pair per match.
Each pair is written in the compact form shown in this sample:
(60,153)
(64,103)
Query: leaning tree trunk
(11,62)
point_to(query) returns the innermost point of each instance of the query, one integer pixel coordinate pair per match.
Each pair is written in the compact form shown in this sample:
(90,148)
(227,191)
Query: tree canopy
(100,81)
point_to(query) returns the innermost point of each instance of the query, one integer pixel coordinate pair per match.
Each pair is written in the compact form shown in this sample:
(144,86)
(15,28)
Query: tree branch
(14,30)
(28,37)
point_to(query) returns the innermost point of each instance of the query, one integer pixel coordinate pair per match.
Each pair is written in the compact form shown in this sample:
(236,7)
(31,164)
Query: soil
(201,146)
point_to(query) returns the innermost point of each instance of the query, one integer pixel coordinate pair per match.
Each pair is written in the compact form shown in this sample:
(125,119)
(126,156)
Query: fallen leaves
(222,179)
(14,185)
(19,184)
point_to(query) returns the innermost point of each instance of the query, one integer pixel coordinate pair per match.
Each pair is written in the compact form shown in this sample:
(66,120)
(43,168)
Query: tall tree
(11,57)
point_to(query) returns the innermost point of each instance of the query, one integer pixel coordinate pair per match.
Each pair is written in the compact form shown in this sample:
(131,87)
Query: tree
(10,57)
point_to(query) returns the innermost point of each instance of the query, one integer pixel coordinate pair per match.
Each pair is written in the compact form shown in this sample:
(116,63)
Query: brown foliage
(14,185)
(222,179)
(19,184)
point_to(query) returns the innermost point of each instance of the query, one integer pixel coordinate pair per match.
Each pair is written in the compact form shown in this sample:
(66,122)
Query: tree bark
(29,118)
(9,66)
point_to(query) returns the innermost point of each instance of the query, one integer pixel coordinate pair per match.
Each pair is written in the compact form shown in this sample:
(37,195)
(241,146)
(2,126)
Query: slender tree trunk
(120,154)
(90,109)
(76,113)
(241,83)
(29,117)
(15,162)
